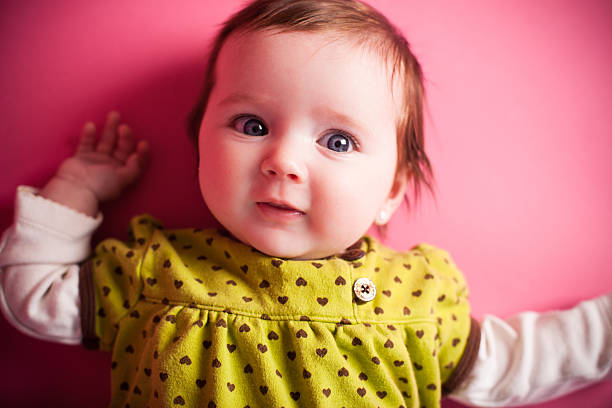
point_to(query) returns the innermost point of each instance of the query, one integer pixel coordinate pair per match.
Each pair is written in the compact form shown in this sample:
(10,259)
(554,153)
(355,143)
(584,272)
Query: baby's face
(298,142)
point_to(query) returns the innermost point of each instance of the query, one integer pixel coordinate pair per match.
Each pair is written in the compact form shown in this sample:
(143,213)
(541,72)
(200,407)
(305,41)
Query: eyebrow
(346,120)
(238,97)
(325,111)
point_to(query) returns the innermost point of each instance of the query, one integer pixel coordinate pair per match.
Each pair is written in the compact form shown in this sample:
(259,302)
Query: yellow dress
(195,318)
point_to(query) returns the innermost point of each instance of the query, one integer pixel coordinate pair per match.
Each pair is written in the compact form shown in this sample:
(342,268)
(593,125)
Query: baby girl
(309,130)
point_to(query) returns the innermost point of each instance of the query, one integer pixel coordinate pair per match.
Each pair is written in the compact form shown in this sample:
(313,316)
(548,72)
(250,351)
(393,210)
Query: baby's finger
(109,134)
(135,163)
(88,137)
(125,144)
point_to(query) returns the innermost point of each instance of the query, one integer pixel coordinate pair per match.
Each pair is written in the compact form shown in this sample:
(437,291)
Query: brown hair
(367,26)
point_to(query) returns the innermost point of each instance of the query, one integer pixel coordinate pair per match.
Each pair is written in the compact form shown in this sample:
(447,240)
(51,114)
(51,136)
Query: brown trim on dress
(88,305)
(470,353)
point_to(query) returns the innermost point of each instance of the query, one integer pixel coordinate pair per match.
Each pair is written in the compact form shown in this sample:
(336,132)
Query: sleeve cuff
(470,354)
(46,232)
(604,303)
(48,215)
(88,305)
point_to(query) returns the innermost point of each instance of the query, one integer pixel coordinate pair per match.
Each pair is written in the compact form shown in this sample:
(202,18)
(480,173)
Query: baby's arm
(534,357)
(52,230)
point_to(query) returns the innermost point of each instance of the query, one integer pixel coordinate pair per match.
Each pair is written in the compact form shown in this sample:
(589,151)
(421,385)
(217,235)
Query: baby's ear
(395,197)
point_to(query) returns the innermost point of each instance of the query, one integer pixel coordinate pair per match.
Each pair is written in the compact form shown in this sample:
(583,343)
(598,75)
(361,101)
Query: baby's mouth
(282,208)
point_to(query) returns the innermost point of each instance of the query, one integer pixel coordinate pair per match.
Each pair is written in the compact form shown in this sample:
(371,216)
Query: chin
(283,243)
(291,251)
(278,251)
(280,247)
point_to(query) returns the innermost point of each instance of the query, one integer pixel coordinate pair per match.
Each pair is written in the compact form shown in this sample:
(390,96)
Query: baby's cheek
(213,183)
(343,216)
(215,163)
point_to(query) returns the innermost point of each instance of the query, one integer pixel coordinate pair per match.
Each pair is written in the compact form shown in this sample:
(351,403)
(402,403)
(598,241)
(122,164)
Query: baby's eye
(338,142)
(250,126)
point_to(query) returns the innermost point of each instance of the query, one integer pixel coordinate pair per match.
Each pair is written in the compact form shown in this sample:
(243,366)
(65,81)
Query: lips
(280,206)
(279,211)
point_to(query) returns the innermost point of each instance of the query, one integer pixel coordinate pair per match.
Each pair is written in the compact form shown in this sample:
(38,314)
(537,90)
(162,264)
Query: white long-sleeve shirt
(529,358)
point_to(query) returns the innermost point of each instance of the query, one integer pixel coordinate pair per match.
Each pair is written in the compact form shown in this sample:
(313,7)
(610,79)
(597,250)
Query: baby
(309,130)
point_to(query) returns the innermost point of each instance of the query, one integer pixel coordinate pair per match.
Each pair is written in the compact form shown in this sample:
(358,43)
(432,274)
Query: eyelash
(234,121)
(352,138)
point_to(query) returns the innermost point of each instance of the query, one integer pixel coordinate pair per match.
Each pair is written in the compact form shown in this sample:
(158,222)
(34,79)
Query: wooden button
(364,289)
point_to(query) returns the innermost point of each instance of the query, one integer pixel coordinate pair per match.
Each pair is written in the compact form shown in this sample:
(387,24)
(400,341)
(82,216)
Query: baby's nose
(285,163)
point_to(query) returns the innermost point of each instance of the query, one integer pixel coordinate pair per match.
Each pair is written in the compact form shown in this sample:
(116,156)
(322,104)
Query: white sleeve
(39,274)
(534,357)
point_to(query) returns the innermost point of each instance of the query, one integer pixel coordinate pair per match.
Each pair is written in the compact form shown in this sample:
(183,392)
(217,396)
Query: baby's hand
(100,169)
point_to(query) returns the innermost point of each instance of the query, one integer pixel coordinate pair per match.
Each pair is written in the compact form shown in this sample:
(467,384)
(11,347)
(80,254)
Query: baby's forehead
(371,45)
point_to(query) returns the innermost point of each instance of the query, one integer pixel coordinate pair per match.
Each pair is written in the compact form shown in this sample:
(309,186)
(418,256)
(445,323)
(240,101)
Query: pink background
(519,132)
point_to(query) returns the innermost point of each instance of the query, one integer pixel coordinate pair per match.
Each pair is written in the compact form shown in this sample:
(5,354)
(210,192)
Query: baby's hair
(364,24)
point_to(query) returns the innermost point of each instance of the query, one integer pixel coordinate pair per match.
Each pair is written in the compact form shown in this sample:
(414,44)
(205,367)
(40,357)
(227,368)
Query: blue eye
(250,126)
(338,142)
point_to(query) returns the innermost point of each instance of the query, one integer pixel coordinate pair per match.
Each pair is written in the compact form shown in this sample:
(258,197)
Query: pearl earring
(382,217)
